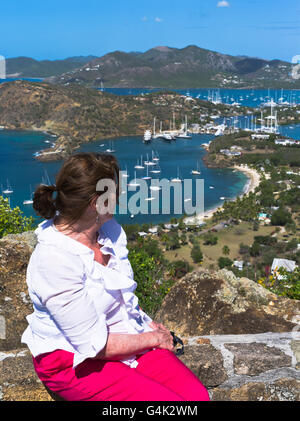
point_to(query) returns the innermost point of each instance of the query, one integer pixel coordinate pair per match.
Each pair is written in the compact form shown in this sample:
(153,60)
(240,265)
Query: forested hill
(27,67)
(189,67)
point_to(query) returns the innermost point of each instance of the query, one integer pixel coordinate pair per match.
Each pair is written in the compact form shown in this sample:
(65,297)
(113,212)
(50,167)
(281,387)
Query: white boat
(155,188)
(222,198)
(155,157)
(176,179)
(110,149)
(9,190)
(29,201)
(149,163)
(147,135)
(156,171)
(184,133)
(197,171)
(147,177)
(133,183)
(139,166)
(211,187)
(166,136)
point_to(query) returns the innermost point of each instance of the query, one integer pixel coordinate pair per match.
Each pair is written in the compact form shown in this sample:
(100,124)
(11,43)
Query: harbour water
(23,173)
(244,97)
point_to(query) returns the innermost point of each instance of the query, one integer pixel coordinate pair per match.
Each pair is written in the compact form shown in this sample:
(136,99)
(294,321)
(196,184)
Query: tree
(224,262)
(179,268)
(210,239)
(148,274)
(255,249)
(196,254)
(12,221)
(226,250)
(281,217)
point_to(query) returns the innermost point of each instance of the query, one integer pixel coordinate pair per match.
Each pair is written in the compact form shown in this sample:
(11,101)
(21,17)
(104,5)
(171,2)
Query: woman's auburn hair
(75,185)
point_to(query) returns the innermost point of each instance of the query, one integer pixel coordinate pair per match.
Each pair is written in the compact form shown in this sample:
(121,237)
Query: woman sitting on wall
(89,339)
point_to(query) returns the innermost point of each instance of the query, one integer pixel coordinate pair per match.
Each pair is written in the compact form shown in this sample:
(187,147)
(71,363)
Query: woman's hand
(163,336)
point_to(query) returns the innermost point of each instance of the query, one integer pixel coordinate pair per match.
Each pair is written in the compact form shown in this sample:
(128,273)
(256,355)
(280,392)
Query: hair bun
(43,202)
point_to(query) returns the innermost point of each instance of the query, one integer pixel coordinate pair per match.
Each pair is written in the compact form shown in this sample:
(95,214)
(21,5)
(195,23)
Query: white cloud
(158,19)
(223,3)
(144,19)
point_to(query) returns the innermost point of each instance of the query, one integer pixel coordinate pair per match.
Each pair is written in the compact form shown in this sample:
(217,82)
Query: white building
(260,136)
(238,264)
(287,142)
(288,265)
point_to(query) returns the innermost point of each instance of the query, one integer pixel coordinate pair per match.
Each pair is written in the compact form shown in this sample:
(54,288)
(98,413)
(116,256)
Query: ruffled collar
(109,234)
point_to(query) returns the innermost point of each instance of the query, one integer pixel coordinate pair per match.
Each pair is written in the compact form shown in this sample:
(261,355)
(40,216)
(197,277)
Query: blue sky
(59,29)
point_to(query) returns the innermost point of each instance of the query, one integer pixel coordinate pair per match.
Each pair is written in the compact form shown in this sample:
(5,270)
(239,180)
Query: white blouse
(76,300)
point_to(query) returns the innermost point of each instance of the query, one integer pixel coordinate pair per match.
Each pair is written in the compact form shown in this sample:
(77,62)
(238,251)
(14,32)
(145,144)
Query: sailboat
(134,183)
(156,169)
(197,171)
(8,190)
(184,134)
(147,177)
(149,162)
(28,201)
(155,157)
(176,179)
(110,149)
(155,135)
(125,173)
(139,166)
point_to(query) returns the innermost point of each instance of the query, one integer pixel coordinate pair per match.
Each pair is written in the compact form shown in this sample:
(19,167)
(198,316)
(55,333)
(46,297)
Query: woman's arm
(120,346)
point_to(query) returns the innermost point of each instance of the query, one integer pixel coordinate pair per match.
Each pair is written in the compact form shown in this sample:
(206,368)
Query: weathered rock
(206,362)
(281,390)
(18,380)
(15,305)
(255,358)
(210,303)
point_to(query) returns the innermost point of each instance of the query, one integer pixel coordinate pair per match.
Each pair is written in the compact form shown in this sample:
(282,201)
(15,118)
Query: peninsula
(76,114)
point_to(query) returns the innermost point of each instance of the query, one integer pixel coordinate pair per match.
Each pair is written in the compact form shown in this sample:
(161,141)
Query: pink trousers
(159,376)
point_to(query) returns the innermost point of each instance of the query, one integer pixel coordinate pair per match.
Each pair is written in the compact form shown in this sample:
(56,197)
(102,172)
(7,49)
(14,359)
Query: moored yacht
(177,179)
(29,201)
(197,171)
(139,166)
(147,136)
(9,190)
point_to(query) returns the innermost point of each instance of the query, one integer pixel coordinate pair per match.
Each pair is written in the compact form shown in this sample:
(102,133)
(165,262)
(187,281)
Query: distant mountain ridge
(189,67)
(29,67)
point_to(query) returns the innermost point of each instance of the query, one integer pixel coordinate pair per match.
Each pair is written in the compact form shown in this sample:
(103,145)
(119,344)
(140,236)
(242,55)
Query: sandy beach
(250,186)
(253,176)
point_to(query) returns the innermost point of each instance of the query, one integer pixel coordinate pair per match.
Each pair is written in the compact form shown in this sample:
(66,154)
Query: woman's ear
(93,203)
